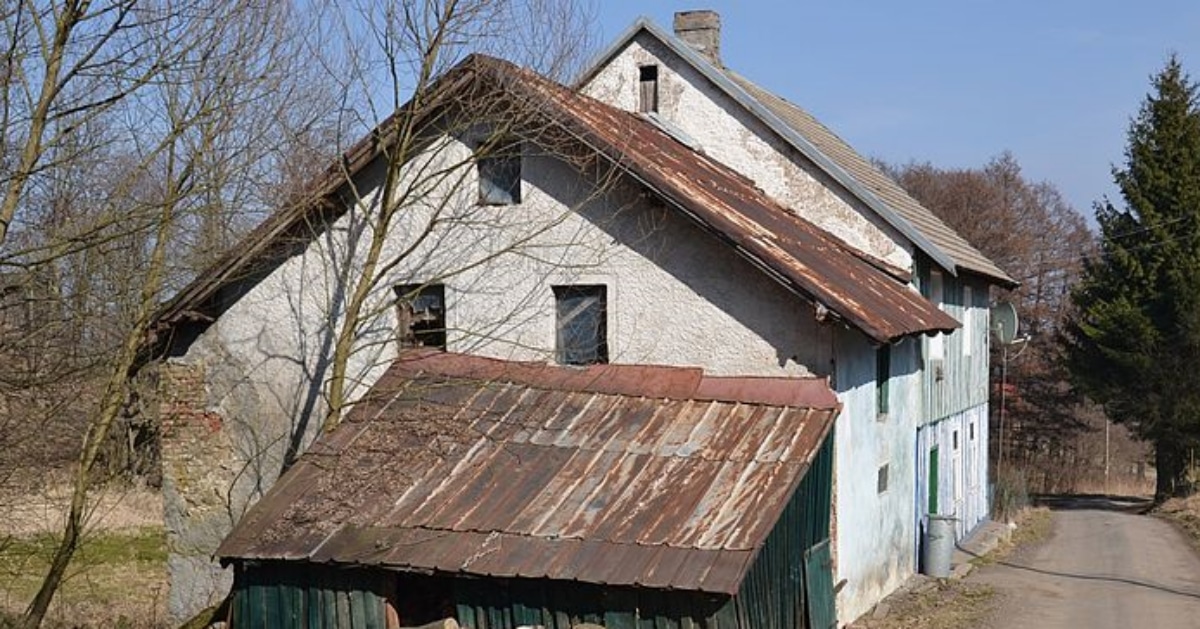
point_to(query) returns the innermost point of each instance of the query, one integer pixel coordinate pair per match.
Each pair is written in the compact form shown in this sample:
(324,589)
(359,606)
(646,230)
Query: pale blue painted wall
(875,529)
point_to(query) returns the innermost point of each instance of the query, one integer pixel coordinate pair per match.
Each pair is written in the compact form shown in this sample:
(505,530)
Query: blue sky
(955,82)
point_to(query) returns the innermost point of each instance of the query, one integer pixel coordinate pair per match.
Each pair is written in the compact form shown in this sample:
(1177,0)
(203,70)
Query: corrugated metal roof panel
(575,484)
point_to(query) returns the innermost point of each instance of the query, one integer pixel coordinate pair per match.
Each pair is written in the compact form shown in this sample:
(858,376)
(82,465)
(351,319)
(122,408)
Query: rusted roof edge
(651,381)
(806,148)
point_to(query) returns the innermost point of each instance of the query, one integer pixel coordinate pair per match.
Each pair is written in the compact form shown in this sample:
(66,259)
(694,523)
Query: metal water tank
(939,545)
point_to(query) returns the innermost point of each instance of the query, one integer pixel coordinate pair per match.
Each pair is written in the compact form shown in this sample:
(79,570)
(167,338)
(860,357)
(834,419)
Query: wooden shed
(512,495)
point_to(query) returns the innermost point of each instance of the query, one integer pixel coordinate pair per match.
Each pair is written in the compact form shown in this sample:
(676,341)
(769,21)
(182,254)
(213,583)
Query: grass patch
(116,579)
(1034,526)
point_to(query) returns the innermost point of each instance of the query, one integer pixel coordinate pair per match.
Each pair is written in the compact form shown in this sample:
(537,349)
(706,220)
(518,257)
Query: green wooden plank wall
(279,596)
(773,594)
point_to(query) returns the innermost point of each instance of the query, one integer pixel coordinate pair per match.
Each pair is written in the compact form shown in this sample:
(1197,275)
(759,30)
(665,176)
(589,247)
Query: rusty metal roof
(615,474)
(829,153)
(793,251)
(789,248)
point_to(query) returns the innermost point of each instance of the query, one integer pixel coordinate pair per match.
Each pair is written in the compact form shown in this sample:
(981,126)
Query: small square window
(421,309)
(881,479)
(582,324)
(648,89)
(499,167)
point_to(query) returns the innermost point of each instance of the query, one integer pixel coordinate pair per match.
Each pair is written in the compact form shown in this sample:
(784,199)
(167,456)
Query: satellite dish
(1004,323)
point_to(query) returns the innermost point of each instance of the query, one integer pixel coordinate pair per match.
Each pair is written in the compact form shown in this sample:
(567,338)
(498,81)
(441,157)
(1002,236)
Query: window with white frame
(937,349)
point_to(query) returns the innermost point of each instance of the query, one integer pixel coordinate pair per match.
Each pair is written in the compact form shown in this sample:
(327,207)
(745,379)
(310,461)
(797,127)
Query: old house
(609,230)
(912,439)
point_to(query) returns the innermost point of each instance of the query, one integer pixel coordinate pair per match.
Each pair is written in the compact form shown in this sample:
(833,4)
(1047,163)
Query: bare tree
(127,129)
(400,64)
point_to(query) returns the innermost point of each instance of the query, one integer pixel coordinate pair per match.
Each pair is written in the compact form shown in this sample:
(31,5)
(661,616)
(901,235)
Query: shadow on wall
(636,218)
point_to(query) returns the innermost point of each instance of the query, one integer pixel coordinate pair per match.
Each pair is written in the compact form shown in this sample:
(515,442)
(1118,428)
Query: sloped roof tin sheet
(789,247)
(830,153)
(463,465)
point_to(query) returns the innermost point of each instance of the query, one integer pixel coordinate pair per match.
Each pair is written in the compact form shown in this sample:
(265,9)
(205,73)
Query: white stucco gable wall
(725,131)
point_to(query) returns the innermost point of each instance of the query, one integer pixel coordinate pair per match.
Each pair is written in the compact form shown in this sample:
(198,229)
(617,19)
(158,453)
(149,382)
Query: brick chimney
(702,31)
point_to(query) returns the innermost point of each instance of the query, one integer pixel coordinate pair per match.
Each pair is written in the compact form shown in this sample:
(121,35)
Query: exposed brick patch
(199,463)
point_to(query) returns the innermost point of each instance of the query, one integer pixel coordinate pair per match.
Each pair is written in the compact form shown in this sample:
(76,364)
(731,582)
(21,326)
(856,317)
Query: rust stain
(632,489)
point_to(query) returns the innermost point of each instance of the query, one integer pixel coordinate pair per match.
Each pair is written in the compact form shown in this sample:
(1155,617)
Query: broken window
(648,89)
(422,314)
(582,324)
(883,374)
(499,166)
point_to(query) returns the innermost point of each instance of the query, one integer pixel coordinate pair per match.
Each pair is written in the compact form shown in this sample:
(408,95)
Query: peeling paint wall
(737,139)
(676,296)
(875,529)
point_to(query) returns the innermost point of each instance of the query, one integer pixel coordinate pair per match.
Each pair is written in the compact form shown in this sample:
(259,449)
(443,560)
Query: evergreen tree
(1134,342)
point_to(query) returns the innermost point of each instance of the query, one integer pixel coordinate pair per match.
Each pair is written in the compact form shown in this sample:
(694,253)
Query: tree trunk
(1169,469)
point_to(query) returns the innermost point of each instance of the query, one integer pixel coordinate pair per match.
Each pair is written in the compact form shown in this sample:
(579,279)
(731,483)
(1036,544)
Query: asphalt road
(1103,566)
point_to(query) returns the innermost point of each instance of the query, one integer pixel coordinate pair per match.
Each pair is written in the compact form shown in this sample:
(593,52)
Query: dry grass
(934,604)
(1033,526)
(1130,486)
(114,509)
(952,603)
(1184,512)
(118,576)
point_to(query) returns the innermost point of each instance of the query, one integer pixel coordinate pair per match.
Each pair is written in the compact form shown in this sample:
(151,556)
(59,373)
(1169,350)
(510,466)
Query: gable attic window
(421,310)
(499,169)
(581,324)
(648,89)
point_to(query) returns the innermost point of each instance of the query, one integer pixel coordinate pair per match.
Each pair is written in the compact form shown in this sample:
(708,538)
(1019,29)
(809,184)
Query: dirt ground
(931,603)
(119,575)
